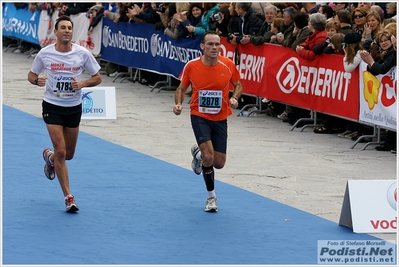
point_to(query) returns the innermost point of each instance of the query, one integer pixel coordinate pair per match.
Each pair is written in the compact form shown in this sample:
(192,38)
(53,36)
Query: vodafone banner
(277,73)
(81,25)
(378,98)
(370,206)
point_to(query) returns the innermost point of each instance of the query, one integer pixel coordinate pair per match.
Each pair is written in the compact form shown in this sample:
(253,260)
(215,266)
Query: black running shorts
(64,116)
(205,130)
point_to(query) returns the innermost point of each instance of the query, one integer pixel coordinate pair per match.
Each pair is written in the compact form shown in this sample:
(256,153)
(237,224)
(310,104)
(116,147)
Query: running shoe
(49,169)
(196,164)
(70,204)
(211,204)
(283,116)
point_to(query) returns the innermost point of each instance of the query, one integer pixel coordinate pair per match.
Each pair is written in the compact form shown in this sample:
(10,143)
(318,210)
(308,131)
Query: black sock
(209,177)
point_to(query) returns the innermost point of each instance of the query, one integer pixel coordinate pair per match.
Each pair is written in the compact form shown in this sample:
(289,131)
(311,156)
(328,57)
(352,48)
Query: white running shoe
(211,205)
(49,169)
(113,74)
(196,164)
(283,116)
(70,204)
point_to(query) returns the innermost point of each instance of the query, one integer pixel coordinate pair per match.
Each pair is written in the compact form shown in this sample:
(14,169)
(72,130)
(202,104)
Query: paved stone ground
(301,169)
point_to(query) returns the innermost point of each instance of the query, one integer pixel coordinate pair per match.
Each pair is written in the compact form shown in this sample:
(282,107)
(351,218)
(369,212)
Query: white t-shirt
(60,68)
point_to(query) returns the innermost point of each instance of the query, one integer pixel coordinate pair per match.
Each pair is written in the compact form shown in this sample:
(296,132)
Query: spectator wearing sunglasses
(339,6)
(358,19)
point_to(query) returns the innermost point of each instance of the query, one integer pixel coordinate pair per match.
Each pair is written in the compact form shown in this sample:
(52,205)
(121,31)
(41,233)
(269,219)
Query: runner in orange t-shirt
(211,77)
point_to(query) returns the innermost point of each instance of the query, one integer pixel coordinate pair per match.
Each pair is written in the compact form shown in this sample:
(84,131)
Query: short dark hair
(326,9)
(301,19)
(208,33)
(344,16)
(67,18)
(244,6)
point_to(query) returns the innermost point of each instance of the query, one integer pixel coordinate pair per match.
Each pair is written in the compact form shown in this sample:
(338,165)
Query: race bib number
(63,88)
(210,101)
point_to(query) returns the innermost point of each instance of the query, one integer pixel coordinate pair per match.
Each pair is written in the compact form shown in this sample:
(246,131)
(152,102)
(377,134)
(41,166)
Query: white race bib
(63,87)
(210,101)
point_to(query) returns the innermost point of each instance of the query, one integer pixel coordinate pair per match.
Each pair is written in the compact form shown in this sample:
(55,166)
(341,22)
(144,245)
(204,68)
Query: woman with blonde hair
(358,16)
(392,27)
(388,55)
(371,28)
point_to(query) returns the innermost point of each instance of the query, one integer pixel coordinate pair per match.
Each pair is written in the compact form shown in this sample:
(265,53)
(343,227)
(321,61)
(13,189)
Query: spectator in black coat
(264,35)
(250,22)
(233,27)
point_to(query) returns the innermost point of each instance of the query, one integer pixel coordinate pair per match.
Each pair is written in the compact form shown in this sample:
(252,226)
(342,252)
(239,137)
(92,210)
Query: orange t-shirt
(210,87)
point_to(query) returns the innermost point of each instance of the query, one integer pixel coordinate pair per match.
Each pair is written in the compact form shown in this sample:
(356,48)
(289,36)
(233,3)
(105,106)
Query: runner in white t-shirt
(60,67)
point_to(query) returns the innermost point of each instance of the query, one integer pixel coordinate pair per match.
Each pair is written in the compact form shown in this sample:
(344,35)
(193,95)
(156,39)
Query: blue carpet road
(135,209)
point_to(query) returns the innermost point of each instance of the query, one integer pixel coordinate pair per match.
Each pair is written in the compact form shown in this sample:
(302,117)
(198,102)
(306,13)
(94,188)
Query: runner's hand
(41,81)
(233,102)
(76,84)
(177,109)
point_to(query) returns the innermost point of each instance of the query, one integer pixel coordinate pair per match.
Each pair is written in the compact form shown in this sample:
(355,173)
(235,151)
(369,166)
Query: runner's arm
(237,89)
(93,81)
(179,98)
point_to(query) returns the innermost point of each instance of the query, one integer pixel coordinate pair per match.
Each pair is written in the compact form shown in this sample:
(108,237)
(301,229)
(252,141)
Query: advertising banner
(21,24)
(33,28)
(81,25)
(140,46)
(278,73)
(378,96)
(370,206)
(98,103)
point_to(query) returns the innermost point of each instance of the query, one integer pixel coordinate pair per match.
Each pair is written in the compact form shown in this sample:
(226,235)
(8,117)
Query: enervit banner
(277,73)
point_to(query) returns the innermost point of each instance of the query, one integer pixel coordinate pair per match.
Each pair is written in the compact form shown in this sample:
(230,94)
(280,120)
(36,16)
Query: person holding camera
(219,21)
(233,26)
(287,27)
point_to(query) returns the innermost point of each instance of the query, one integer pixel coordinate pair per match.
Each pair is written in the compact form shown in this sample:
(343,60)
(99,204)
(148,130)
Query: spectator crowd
(359,31)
